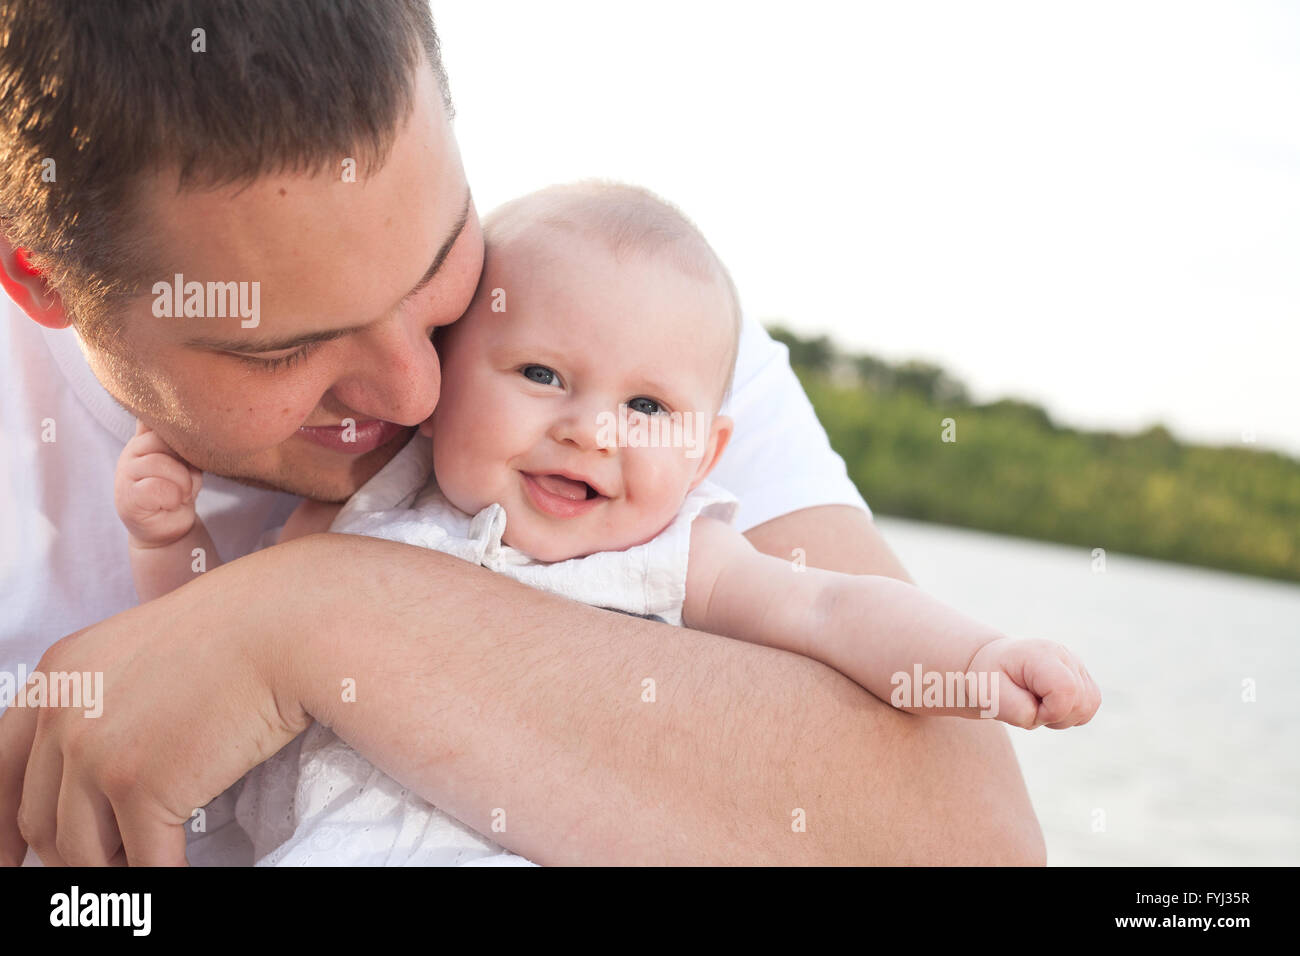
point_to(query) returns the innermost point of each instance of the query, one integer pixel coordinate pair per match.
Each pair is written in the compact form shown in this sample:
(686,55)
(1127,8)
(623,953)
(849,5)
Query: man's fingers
(17,730)
(87,828)
(148,840)
(38,812)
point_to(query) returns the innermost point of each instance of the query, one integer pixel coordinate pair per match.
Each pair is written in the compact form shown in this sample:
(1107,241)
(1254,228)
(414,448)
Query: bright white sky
(1092,205)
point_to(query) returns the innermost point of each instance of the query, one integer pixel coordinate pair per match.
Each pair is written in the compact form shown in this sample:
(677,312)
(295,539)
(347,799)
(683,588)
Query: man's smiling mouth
(353,438)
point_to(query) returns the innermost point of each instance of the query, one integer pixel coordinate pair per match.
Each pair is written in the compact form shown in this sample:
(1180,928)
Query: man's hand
(187,711)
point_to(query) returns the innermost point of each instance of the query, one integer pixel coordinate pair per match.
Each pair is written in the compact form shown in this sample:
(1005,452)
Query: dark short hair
(112,91)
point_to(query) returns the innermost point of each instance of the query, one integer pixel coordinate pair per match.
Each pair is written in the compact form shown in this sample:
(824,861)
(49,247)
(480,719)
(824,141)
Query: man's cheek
(246,422)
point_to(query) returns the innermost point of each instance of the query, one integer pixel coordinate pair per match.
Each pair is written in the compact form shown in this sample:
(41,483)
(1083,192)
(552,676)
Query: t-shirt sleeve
(779,459)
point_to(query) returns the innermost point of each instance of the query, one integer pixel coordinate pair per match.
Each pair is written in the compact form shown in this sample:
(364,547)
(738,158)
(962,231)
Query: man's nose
(394,373)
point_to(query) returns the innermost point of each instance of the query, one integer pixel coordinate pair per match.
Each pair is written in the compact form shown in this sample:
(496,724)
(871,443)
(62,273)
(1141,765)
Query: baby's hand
(1038,683)
(154,491)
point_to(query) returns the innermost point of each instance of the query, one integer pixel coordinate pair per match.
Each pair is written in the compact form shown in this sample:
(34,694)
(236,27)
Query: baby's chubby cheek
(652,498)
(465,479)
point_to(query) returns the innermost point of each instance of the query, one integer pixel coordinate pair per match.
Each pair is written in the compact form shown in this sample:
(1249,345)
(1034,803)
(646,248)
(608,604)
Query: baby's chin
(561,544)
(549,550)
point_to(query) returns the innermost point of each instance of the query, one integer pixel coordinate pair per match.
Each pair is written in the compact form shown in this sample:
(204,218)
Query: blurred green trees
(1012,470)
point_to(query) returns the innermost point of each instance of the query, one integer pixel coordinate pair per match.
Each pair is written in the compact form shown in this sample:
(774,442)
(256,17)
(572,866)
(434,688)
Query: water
(1176,768)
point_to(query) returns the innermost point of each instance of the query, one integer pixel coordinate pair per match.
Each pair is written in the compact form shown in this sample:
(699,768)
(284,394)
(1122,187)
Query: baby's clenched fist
(1039,683)
(154,490)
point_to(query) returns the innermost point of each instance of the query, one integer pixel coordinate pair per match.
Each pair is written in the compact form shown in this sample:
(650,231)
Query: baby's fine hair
(630,219)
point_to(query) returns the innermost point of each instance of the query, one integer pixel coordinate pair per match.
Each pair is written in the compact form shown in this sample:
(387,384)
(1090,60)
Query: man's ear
(28,288)
(719,436)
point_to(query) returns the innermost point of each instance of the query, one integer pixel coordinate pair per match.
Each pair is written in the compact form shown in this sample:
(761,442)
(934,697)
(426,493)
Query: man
(309,151)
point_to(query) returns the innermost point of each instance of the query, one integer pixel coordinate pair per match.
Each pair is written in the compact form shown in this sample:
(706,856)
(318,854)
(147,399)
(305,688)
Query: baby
(579,419)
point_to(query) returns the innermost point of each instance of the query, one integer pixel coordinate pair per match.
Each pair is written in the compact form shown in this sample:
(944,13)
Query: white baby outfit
(318,801)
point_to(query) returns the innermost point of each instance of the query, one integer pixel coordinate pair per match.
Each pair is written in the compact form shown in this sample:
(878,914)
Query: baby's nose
(589,431)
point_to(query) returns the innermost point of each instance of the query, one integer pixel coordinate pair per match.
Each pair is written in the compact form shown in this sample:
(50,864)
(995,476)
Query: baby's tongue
(564,487)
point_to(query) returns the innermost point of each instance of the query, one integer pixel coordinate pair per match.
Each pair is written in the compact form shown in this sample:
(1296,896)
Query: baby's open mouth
(566,487)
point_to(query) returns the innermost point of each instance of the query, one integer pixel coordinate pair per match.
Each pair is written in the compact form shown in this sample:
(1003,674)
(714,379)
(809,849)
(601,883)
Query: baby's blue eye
(647,406)
(539,374)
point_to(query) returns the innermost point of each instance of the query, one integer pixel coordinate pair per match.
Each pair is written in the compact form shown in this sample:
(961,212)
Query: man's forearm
(497,702)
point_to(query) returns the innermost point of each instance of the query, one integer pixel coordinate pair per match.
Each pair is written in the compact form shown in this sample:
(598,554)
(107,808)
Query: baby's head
(582,388)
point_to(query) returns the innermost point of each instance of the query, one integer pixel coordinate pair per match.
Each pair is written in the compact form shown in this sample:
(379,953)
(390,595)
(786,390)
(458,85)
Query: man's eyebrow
(254,345)
(442,252)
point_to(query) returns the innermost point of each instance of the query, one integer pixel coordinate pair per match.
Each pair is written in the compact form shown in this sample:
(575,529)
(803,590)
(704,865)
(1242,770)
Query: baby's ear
(719,435)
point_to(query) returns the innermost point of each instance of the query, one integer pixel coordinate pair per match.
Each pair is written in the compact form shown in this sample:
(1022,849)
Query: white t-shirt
(63,555)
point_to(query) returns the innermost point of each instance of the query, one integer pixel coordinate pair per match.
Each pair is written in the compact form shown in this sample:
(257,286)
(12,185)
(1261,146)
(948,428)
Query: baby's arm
(154,492)
(870,628)
(310,517)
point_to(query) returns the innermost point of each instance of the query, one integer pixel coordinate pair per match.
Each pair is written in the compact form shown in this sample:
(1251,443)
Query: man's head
(585,382)
(303,147)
